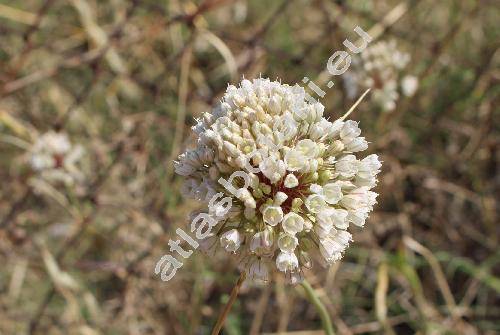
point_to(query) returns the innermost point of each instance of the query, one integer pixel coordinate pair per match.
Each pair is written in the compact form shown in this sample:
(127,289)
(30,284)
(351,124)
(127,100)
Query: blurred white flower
(381,68)
(409,85)
(55,159)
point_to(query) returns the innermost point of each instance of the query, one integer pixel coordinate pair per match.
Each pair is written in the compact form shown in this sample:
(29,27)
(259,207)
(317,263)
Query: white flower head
(381,69)
(292,176)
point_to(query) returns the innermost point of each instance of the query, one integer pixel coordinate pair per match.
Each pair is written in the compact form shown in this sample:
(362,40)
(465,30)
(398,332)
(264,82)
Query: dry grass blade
(438,272)
(225,52)
(181,110)
(381,297)
(17,15)
(346,115)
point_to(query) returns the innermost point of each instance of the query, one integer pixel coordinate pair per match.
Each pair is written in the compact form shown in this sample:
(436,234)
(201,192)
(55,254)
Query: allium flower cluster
(54,158)
(307,187)
(380,69)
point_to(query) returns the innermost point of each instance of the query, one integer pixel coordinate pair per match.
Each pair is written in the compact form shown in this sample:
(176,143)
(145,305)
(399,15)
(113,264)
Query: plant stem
(323,313)
(232,298)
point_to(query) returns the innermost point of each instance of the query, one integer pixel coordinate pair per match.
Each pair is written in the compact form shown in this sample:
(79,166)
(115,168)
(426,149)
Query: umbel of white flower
(307,186)
(380,69)
(54,158)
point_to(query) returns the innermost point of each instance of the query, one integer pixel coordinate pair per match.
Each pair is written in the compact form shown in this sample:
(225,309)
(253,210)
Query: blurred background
(97,99)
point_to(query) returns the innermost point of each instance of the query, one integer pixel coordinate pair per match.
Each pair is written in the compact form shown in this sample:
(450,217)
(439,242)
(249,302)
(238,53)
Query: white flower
(359,197)
(308,148)
(280,198)
(54,158)
(56,143)
(323,227)
(287,262)
(231,240)
(247,198)
(293,223)
(349,131)
(315,188)
(357,144)
(330,218)
(380,69)
(315,203)
(368,168)
(291,181)
(347,166)
(320,129)
(258,271)
(333,246)
(339,218)
(332,193)
(358,216)
(294,160)
(272,215)
(409,85)
(285,127)
(272,169)
(262,241)
(337,126)
(287,242)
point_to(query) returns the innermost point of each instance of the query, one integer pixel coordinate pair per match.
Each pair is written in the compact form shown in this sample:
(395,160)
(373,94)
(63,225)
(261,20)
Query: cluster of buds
(380,69)
(304,185)
(55,159)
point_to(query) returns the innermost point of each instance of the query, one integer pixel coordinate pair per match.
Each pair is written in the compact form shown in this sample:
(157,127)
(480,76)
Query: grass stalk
(323,313)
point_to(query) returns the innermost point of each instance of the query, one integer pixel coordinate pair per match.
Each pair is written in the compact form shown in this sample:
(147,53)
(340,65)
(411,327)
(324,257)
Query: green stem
(323,313)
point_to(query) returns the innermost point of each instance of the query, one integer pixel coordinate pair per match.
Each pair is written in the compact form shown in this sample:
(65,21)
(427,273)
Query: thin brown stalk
(232,298)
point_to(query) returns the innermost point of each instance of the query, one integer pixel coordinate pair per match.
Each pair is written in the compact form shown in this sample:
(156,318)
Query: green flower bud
(265,188)
(297,204)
